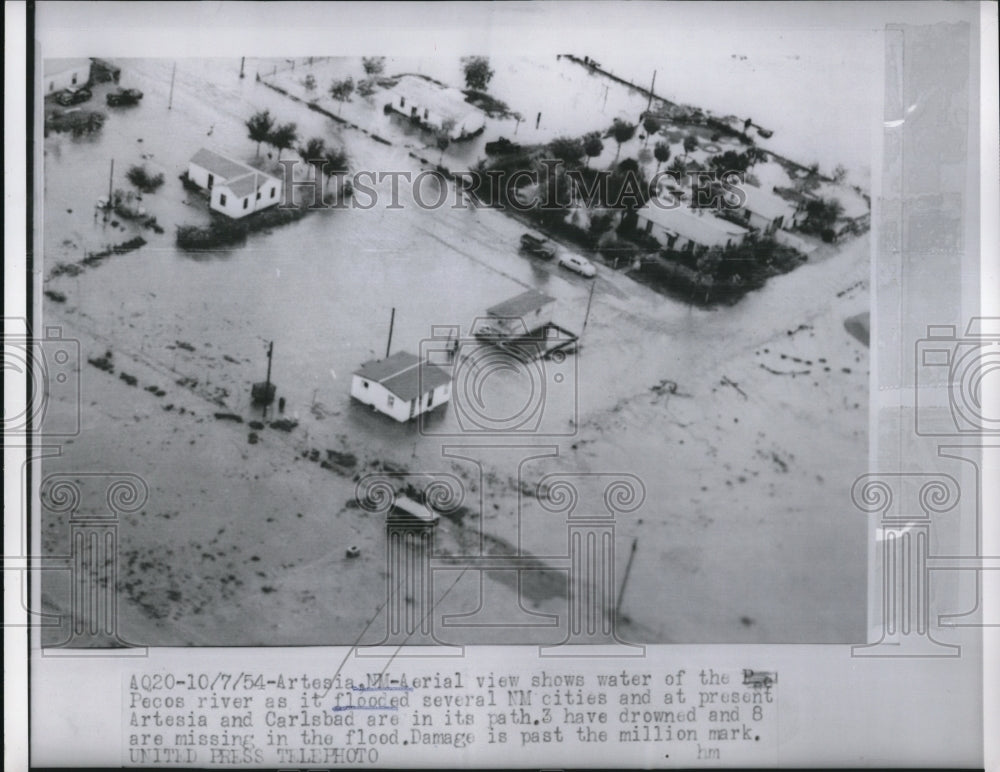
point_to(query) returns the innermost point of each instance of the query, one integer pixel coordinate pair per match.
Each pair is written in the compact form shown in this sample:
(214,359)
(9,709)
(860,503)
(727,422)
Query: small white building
(524,313)
(234,188)
(60,74)
(432,106)
(765,211)
(679,227)
(401,385)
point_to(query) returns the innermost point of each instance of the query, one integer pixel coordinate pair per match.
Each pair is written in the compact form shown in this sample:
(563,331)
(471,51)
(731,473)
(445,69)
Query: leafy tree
(335,161)
(661,152)
(366,87)
(313,153)
(592,145)
(690,144)
(567,149)
(259,127)
(730,161)
(839,174)
(477,72)
(754,155)
(651,125)
(309,82)
(341,90)
(283,137)
(678,167)
(821,217)
(622,131)
(374,65)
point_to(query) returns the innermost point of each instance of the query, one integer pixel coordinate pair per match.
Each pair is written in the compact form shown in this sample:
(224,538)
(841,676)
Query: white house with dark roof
(59,74)
(234,188)
(432,106)
(678,226)
(521,314)
(401,385)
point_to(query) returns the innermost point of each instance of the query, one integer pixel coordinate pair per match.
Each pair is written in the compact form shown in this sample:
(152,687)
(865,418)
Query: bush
(223,231)
(143,180)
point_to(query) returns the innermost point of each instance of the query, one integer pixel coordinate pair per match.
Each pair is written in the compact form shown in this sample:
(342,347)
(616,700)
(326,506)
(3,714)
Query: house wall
(199,175)
(77,76)
(234,205)
(378,396)
(661,234)
(764,224)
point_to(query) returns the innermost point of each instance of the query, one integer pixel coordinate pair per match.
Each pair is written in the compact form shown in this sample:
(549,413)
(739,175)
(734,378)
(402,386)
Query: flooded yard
(737,523)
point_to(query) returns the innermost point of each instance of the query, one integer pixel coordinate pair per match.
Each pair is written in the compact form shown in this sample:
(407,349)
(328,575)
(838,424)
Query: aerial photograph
(548,348)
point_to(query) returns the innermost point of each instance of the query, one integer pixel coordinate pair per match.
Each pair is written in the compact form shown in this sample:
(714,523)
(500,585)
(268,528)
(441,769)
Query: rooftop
(521,304)
(697,225)
(247,184)
(55,66)
(444,101)
(221,166)
(404,375)
(767,205)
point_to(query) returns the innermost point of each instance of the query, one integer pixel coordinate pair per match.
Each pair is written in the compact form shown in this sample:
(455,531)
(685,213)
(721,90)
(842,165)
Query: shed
(524,313)
(401,386)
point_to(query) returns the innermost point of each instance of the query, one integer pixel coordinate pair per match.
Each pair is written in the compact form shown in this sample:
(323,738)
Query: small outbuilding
(235,189)
(524,313)
(401,386)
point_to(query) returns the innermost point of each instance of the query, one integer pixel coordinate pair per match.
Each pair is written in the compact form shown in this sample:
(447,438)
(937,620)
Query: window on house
(74,78)
(246,203)
(52,86)
(258,195)
(365,384)
(425,113)
(402,101)
(274,192)
(222,199)
(649,226)
(390,400)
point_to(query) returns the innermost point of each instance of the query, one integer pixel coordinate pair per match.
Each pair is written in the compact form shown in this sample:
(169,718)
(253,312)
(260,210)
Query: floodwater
(739,492)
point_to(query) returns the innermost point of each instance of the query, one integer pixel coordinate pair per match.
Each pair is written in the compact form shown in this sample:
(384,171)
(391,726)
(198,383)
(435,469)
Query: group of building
(678,226)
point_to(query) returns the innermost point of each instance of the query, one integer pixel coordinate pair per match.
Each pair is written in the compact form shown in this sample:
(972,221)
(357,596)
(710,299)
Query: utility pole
(651,85)
(170,101)
(267,381)
(628,568)
(590,299)
(111,183)
(243,60)
(392,322)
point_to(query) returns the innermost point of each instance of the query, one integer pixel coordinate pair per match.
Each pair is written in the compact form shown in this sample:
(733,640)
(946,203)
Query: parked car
(579,264)
(124,97)
(73,96)
(538,246)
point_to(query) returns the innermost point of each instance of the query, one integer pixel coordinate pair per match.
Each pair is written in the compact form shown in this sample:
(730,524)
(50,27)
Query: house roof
(247,184)
(221,166)
(404,375)
(55,66)
(697,225)
(521,304)
(767,205)
(444,101)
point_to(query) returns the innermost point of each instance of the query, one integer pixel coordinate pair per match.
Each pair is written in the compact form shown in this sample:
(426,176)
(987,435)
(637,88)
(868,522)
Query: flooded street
(747,532)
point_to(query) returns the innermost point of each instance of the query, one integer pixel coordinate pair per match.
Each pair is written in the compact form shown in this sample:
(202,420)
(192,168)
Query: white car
(579,264)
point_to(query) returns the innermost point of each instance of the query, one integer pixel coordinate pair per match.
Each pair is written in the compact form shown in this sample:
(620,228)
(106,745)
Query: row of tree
(262,128)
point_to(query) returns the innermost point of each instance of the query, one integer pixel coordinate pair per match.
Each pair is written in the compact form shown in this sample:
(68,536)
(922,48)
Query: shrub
(143,180)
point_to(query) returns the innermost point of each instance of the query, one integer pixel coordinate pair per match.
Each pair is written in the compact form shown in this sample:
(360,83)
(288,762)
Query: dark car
(73,96)
(538,246)
(124,97)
